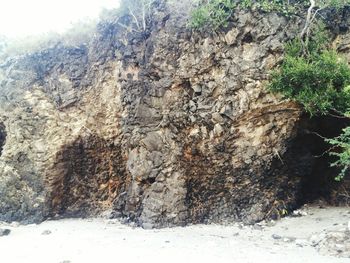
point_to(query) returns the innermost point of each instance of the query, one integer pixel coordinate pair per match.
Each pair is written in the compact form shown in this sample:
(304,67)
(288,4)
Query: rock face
(164,127)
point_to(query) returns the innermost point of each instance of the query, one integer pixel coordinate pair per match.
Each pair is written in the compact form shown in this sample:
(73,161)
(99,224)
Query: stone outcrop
(164,127)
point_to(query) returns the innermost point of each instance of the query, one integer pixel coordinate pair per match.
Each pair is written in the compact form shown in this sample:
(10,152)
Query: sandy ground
(101,240)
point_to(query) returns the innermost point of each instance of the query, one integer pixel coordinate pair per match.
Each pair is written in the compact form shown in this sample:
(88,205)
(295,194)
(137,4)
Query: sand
(103,240)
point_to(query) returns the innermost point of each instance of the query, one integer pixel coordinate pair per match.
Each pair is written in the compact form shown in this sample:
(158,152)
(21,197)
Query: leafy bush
(216,13)
(343,157)
(319,81)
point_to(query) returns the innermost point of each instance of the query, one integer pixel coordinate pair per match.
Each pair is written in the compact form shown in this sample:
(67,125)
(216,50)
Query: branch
(308,18)
(315,133)
(135,18)
(127,27)
(309,27)
(338,114)
(306,29)
(144,15)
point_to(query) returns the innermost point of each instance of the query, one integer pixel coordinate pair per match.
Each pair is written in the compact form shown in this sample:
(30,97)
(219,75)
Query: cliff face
(163,127)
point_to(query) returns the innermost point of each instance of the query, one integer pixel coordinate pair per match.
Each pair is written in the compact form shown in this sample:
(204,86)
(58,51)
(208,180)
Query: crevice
(318,184)
(248,38)
(148,181)
(2,137)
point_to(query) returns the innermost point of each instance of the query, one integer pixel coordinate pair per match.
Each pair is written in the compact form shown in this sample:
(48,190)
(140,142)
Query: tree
(312,14)
(139,10)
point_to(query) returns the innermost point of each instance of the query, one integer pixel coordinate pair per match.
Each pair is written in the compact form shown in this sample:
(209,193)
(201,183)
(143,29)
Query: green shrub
(216,13)
(319,81)
(343,157)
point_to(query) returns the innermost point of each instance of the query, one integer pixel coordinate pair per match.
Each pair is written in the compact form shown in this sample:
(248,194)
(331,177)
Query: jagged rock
(165,127)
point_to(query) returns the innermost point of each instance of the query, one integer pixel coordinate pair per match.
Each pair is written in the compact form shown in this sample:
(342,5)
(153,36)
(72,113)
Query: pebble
(298,213)
(258,227)
(46,232)
(271,223)
(301,242)
(147,226)
(289,239)
(4,232)
(275,236)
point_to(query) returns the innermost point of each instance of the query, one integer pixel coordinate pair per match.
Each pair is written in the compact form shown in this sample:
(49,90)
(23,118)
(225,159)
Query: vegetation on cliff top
(320,80)
(217,13)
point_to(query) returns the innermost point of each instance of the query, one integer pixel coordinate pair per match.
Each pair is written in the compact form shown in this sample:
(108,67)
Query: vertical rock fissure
(2,137)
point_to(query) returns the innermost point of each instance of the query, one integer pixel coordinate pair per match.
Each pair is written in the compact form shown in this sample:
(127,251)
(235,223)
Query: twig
(307,26)
(279,156)
(317,134)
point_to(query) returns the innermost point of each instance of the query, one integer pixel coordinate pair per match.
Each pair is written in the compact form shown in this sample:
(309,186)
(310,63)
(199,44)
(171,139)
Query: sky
(19,18)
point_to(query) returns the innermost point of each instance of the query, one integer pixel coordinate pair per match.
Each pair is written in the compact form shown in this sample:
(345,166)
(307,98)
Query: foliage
(213,13)
(216,13)
(319,81)
(332,3)
(343,157)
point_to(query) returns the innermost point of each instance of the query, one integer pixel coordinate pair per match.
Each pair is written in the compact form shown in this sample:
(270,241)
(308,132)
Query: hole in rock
(248,38)
(149,181)
(318,184)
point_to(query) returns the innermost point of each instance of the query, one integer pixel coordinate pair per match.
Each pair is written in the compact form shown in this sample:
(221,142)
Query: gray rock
(147,226)
(277,237)
(301,242)
(46,232)
(4,232)
(289,239)
(217,118)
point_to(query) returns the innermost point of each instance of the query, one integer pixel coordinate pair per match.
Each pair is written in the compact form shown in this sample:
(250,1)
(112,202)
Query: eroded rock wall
(164,127)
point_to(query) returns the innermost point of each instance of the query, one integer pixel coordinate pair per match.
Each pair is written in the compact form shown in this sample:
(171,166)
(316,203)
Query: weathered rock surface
(165,127)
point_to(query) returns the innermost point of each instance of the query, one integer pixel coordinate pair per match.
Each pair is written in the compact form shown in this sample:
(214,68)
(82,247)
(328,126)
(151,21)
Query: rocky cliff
(164,127)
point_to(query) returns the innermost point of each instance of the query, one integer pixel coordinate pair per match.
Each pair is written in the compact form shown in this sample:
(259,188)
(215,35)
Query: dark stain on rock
(92,173)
